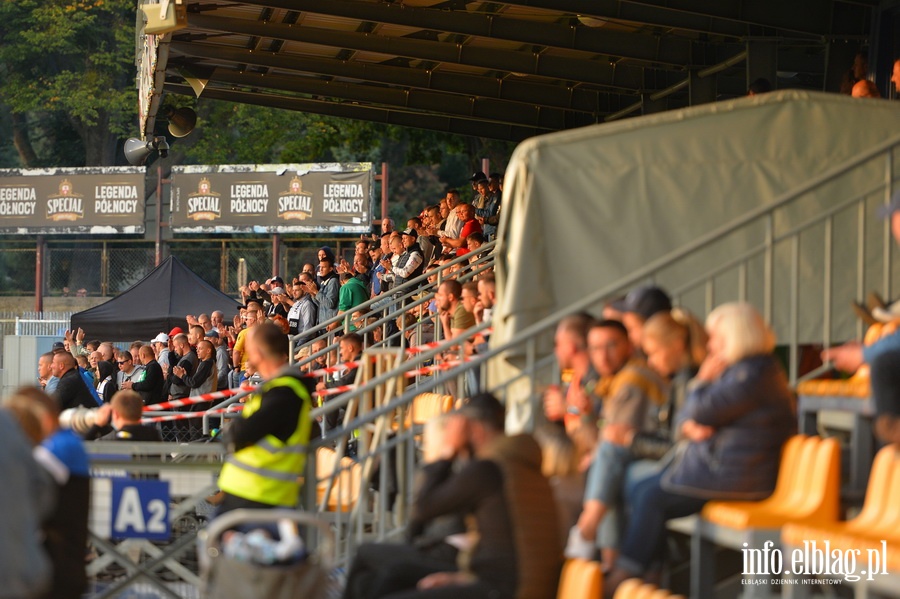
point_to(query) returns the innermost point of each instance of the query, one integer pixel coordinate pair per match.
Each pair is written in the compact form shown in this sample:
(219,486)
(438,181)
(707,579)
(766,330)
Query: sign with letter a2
(140,509)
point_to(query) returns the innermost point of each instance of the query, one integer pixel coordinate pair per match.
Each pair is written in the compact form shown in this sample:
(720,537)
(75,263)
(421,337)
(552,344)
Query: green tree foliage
(67,79)
(423,164)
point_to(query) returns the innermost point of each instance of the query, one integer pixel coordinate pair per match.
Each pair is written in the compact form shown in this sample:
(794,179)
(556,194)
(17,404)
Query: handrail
(702,241)
(393,300)
(407,285)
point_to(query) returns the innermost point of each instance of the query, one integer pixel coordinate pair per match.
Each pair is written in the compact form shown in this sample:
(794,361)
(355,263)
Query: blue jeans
(645,538)
(605,483)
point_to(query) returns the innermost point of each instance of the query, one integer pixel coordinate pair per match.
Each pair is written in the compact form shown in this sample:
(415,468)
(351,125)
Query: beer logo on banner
(67,205)
(295,204)
(205,204)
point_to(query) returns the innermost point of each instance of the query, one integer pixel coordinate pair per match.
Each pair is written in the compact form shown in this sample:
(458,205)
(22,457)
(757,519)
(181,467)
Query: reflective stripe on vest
(267,471)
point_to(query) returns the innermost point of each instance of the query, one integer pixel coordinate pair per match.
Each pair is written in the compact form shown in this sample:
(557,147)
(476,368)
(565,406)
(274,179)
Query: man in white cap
(160,345)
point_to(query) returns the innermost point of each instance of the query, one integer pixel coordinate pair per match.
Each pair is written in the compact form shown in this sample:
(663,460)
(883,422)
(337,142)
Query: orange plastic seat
(347,481)
(807,490)
(580,579)
(878,508)
(426,406)
(858,384)
(628,588)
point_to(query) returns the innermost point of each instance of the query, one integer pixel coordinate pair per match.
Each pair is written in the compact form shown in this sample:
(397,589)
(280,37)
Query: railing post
(793,359)
(104,270)
(826,300)
(860,257)
(38,276)
(888,240)
(769,271)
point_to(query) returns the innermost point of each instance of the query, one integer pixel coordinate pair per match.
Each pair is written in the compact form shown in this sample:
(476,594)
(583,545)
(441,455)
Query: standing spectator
(325,253)
(206,322)
(487,208)
(466,215)
(150,387)
(452,225)
(71,391)
(267,442)
(217,318)
(387,225)
(106,386)
(66,530)
(302,315)
(411,263)
(427,243)
(476,178)
(565,406)
(46,379)
(160,345)
(178,388)
(128,371)
(352,293)
(238,355)
(26,500)
(487,295)
(328,291)
(375,255)
(740,411)
(223,360)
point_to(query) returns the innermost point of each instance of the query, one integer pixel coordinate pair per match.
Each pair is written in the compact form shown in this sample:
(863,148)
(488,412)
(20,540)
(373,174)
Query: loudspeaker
(174,19)
(137,151)
(181,121)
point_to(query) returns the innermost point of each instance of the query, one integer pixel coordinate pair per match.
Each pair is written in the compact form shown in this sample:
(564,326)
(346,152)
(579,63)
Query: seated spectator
(475,487)
(675,346)
(120,420)
(741,410)
(639,305)
(629,390)
(455,319)
(883,356)
(568,405)
(351,346)
(865,89)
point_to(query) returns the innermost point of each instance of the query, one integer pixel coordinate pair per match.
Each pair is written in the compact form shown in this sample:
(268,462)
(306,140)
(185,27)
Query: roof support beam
(724,17)
(364,113)
(669,50)
(598,72)
(510,89)
(496,111)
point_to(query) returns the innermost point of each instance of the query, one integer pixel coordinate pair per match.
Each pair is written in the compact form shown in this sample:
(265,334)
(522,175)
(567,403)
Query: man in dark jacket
(350,348)
(124,414)
(151,387)
(473,486)
(71,391)
(178,389)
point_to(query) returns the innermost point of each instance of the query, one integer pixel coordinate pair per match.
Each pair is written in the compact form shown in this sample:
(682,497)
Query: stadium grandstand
(657,357)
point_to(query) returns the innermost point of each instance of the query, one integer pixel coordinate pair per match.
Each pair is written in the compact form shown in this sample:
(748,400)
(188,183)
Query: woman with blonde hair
(675,345)
(738,414)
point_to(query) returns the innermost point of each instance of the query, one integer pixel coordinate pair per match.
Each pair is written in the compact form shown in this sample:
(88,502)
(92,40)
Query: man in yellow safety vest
(267,445)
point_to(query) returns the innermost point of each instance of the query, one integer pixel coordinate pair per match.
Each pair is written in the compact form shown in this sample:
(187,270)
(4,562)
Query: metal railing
(535,364)
(395,303)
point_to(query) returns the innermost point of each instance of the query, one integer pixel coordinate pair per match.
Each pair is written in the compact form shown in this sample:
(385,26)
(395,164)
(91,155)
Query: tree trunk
(99,144)
(22,141)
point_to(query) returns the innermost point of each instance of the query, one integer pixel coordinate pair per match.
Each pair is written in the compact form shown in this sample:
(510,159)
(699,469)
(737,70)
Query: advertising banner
(78,200)
(306,198)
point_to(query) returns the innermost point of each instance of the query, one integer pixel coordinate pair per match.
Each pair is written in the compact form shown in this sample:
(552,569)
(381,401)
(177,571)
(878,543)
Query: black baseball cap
(411,232)
(477,176)
(645,301)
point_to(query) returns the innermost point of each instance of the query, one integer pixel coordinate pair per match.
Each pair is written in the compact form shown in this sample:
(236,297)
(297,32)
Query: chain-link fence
(107,268)
(17,270)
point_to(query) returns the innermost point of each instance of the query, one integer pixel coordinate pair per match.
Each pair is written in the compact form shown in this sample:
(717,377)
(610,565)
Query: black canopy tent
(155,304)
